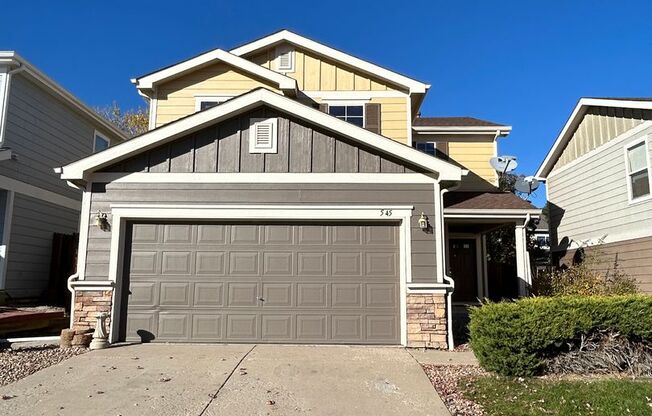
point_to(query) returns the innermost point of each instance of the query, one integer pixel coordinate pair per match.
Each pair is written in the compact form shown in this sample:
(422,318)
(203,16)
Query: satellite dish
(503,164)
(526,184)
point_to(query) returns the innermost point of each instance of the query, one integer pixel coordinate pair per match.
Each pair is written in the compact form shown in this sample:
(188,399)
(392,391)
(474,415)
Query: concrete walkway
(228,380)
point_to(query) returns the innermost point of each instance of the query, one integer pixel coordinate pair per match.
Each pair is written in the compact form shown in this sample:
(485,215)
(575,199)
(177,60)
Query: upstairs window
(285,59)
(205,102)
(354,114)
(100,143)
(637,162)
(263,135)
(437,149)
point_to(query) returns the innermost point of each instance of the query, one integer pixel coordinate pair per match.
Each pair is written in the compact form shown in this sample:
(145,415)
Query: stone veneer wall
(426,320)
(88,303)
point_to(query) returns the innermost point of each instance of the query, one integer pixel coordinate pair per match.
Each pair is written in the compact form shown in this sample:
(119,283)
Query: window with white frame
(285,58)
(637,161)
(204,102)
(263,135)
(354,114)
(100,143)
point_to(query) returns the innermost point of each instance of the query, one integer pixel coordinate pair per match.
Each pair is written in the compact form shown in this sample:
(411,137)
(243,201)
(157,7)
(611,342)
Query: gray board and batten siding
(224,148)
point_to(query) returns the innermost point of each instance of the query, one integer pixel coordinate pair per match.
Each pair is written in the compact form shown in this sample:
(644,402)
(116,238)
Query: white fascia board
(284,83)
(501,130)
(412,85)
(79,170)
(572,122)
(11,57)
(490,213)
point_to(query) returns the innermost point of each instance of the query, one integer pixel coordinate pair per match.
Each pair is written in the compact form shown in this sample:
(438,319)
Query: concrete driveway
(228,380)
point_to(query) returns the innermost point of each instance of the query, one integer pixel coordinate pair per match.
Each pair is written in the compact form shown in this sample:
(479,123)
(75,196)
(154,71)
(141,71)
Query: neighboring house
(288,192)
(598,185)
(42,126)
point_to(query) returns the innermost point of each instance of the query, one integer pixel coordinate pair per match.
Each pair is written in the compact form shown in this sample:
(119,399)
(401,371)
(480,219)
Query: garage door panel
(173,326)
(243,263)
(242,327)
(211,263)
(276,327)
(176,262)
(208,294)
(303,283)
(207,327)
(312,328)
(278,264)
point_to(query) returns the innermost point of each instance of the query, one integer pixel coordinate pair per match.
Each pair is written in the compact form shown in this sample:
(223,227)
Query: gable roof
(80,169)
(147,82)
(576,118)
(281,36)
(12,59)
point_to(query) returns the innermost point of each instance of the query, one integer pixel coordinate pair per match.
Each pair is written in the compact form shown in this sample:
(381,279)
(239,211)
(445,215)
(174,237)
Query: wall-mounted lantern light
(423,222)
(102,221)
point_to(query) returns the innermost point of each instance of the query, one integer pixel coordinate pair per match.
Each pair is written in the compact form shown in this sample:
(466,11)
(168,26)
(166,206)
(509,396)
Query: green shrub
(591,275)
(514,338)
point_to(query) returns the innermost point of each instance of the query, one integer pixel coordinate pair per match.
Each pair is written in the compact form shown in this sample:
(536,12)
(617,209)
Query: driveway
(228,380)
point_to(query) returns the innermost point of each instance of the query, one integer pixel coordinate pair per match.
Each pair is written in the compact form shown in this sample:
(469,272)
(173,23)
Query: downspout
(447,278)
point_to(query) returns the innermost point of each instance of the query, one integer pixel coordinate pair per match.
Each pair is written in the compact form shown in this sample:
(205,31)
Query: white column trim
(6,238)
(121,213)
(38,193)
(522,270)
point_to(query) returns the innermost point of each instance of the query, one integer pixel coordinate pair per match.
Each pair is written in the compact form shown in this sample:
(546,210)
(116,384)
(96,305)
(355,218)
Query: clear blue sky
(524,63)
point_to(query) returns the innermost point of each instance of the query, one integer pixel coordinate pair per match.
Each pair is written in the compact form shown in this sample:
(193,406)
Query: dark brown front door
(463,269)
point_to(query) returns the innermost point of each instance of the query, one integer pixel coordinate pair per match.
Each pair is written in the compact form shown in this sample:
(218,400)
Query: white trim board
(573,122)
(412,85)
(150,81)
(121,213)
(608,238)
(491,213)
(253,178)
(39,193)
(79,170)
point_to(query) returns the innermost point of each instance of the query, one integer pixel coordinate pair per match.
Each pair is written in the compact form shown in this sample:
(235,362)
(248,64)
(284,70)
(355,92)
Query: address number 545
(385,212)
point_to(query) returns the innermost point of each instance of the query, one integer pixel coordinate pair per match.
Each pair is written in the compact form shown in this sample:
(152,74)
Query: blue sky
(523,63)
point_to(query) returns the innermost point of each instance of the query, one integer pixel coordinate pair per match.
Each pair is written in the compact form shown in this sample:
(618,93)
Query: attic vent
(285,58)
(263,135)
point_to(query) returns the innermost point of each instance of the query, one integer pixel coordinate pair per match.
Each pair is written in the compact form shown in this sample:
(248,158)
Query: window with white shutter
(285,58)
(263,135)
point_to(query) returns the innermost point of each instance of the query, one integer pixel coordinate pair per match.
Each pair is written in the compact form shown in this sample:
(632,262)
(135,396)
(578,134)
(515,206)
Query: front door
(463,269)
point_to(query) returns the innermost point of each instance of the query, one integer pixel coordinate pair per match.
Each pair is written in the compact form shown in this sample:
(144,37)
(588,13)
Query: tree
(132,122)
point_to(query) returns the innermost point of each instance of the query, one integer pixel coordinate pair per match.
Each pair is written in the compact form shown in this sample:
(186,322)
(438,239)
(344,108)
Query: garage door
(285,283)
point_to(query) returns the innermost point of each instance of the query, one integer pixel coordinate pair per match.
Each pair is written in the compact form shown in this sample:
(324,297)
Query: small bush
(515,338)
(586,277)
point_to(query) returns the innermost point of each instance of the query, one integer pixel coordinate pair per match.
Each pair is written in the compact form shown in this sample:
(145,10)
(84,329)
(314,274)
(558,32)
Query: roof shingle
(485,200)
(453,122)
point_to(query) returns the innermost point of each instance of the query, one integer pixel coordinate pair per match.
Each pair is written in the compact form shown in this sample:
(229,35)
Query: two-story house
(289,192)
(598,187)
(42,126)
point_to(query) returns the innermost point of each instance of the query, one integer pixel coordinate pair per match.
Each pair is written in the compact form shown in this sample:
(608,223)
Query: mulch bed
(445,378)
(19,362)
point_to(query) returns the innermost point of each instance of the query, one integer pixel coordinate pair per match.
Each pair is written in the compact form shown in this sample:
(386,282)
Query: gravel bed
(19,362)
(445,378)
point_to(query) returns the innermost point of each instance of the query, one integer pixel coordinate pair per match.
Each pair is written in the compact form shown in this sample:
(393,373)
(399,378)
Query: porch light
(102,221)
(423,221)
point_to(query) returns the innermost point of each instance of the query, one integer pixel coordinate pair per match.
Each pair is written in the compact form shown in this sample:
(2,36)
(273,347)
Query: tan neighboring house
(290,192)
(42,126)
(598,185)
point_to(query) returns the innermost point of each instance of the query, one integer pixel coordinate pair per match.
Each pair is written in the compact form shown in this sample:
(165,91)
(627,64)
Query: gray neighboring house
(42,126)
(598,176)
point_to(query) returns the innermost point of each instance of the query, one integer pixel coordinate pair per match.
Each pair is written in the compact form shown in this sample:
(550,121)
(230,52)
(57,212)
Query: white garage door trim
(121,213)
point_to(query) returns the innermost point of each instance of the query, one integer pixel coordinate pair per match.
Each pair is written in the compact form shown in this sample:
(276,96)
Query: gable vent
(285,58)
(263,135)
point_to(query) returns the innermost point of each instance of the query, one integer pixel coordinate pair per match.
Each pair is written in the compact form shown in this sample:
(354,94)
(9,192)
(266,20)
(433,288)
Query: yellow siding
(393,117)
(176,98)
(475,157)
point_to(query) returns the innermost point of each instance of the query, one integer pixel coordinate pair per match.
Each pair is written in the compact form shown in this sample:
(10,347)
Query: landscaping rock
(446,381)
(19,362)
